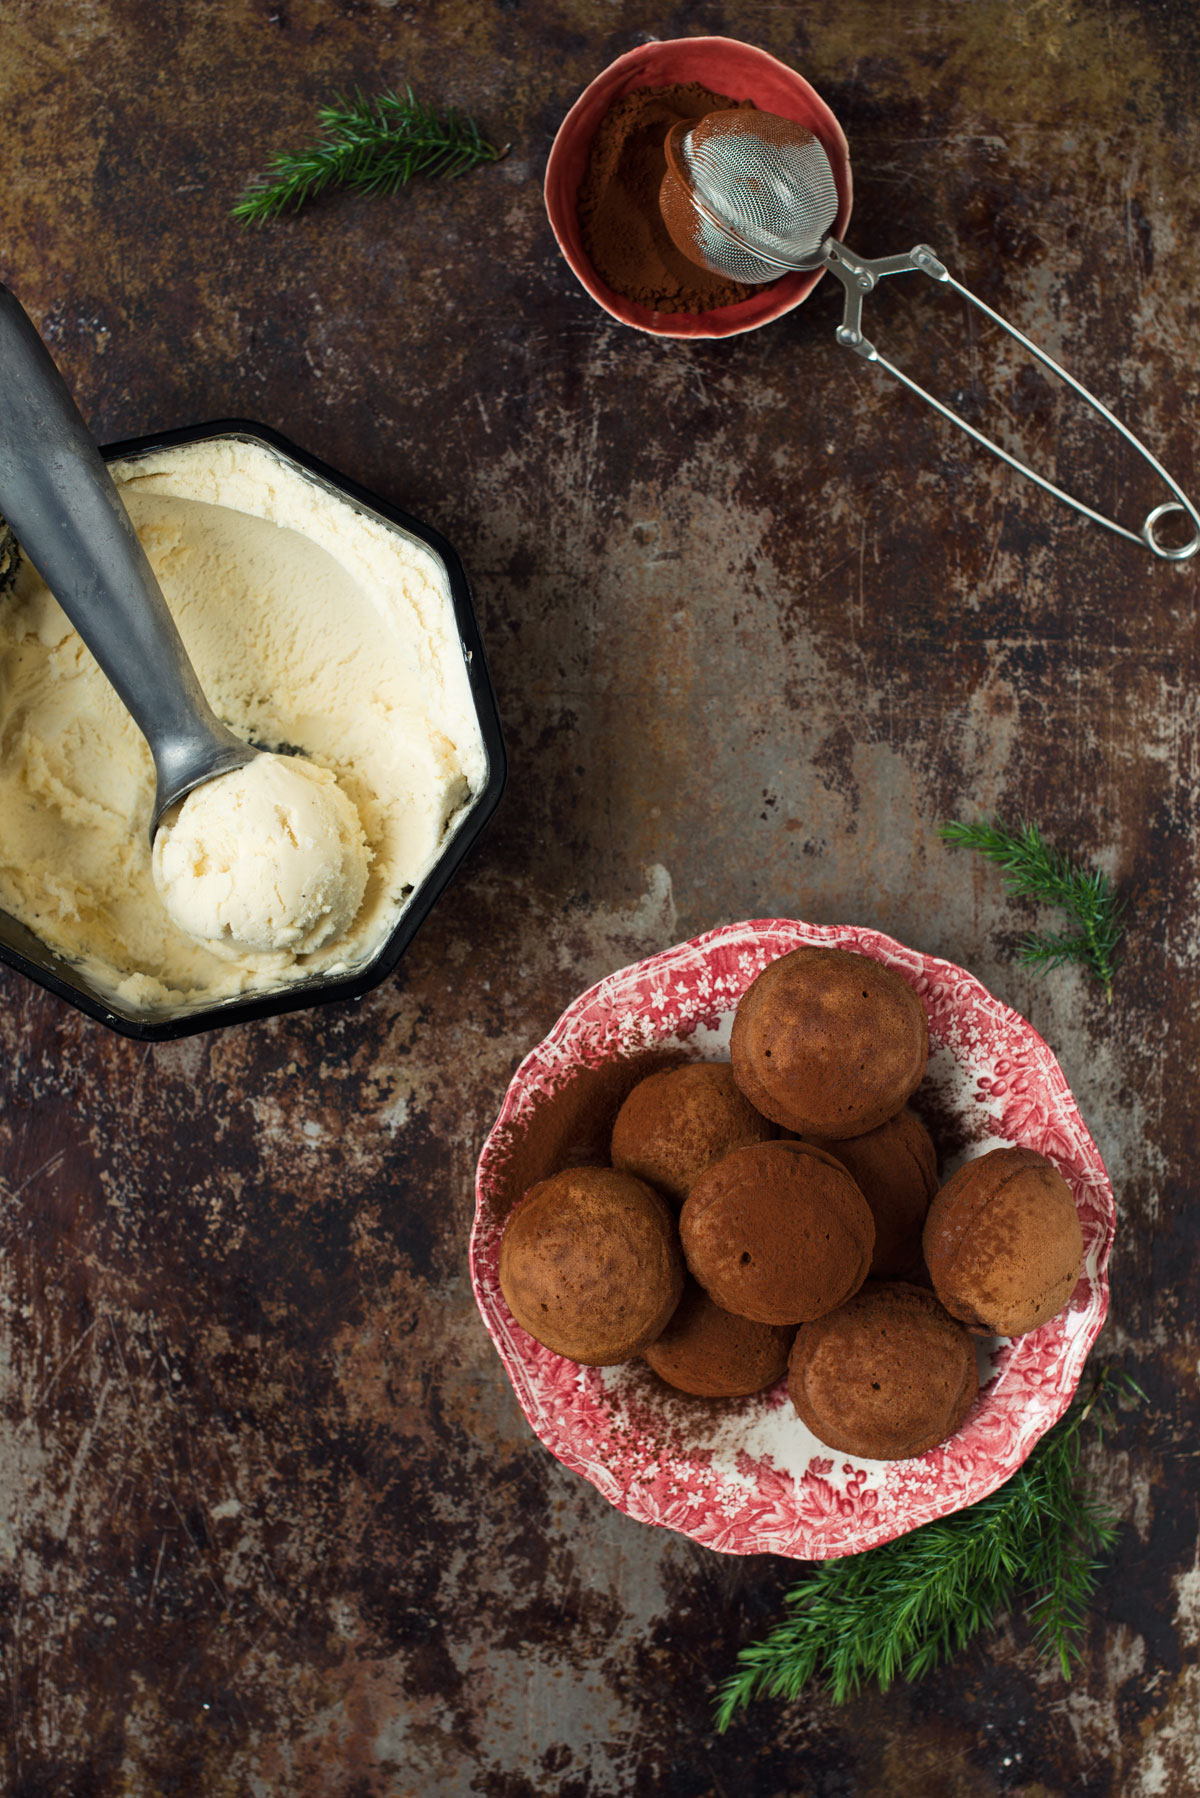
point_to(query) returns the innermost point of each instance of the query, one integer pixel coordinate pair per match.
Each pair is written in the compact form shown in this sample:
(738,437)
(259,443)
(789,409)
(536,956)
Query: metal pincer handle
(859,276)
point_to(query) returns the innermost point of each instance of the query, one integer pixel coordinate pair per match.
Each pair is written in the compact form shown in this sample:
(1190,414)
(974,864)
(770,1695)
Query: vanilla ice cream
(314,626)
(269,859)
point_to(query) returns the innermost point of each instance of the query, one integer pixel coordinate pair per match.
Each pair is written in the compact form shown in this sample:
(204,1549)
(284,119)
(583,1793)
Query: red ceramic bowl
(744,1475)
(727,67)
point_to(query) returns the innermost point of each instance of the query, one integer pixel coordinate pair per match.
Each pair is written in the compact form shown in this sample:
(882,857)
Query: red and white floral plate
(745,1476)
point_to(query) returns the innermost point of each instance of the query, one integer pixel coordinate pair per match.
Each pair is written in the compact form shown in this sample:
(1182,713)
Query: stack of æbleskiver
(771,1213)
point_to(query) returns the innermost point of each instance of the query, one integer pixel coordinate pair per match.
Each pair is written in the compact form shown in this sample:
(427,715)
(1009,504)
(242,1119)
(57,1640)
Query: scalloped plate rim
(546,1060)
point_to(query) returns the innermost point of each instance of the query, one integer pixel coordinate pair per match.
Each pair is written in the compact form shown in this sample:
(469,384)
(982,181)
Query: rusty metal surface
(270,1519)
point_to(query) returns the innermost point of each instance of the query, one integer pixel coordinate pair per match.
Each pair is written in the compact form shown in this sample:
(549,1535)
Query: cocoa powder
(619,217)
(572,1127)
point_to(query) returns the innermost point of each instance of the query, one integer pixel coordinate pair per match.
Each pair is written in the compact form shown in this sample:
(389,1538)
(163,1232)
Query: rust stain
(270,1517)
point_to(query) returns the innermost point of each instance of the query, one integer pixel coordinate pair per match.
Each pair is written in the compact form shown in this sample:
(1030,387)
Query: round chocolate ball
(713,1354)
(895,1169)
(1003,1242)
(887,1376)
(676,1123)
(828,1043)
(778,1232)
(590,1264)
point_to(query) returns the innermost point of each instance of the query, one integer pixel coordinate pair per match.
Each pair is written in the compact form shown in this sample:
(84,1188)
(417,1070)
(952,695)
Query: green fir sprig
(899,1611)
(1035,870)
(375,145)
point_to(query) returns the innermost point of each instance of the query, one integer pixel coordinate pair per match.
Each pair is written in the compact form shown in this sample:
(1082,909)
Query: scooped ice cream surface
(311,622)
(270,859)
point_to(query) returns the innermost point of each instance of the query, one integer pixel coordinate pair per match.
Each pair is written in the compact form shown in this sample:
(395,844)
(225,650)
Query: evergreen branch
(374,145)
(900,1610)
(1033,869)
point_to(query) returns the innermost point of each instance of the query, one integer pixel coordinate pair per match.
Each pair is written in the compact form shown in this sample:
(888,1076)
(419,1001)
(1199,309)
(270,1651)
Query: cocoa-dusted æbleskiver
(895,1168)
(887,1375)
(778,1232)
(710,1353)
(828,1043)
(677,1122)
(1003,1242)
(590,1264)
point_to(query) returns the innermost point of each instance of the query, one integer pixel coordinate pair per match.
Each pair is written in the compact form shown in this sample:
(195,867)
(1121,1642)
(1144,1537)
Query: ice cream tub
(320,619)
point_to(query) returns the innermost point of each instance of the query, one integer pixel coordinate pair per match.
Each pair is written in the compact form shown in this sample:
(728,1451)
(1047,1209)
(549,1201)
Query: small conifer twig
(1033,869)
(376,145)
(900,1610)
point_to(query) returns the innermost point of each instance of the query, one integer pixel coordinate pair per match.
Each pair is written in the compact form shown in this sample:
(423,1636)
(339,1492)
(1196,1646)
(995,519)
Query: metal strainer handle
(859,276)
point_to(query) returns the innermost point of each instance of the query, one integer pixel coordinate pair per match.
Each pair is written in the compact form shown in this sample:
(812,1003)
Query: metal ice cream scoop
(752,195)
(61,501)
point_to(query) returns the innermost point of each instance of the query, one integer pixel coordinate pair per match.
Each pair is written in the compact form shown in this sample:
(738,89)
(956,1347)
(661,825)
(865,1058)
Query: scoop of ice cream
(270,858)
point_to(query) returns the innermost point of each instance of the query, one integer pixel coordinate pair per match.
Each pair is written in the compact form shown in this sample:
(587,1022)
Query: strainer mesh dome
(770,182)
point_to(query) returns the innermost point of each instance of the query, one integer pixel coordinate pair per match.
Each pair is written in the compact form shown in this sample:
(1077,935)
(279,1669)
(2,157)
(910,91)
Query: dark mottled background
(270,1519)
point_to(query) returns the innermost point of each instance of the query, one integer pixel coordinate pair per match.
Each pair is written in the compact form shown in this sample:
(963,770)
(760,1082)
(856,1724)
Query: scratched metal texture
(270,1519)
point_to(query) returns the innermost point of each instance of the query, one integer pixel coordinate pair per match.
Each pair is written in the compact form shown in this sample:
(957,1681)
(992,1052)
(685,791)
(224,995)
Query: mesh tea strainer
(751,195)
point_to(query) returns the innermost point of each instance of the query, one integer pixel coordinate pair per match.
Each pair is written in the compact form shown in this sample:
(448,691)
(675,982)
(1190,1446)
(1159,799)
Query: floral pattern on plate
(744,1476)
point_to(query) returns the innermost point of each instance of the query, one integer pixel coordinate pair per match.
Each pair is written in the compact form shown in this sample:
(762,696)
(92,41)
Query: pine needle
(899,1611)
(374,145)
(1035,870)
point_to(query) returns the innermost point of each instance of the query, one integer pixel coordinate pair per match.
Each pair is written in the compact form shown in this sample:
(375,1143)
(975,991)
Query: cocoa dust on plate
(572,1127)
(622,228)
